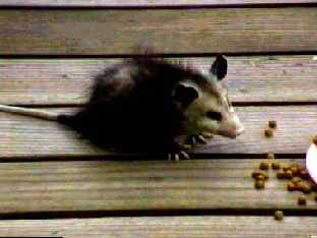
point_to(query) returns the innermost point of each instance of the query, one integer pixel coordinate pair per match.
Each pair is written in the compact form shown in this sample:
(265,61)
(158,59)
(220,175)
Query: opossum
(144,104)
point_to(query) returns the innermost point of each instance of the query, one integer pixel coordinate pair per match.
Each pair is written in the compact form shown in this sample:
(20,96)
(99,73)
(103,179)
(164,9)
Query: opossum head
(205,105)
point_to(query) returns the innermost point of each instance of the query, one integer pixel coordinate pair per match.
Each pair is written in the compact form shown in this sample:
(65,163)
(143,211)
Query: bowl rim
(311,162)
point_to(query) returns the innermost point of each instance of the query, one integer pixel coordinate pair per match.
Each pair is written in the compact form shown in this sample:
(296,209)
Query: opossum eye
(214,115)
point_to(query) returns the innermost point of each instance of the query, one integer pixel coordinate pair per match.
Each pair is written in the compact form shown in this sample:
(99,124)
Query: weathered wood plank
(140,3)
(182,227)
(139,185)
(249,79)
(104,32)
(25,137)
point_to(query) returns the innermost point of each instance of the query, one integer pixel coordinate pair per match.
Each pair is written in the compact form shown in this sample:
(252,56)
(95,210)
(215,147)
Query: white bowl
(311,162)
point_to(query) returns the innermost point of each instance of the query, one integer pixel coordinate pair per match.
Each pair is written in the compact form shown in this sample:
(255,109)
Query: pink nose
(232,133)
(240,130)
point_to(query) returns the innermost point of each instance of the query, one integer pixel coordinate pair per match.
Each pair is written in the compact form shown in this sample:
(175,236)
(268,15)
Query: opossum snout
(231,133)
(237,132)
(231,128)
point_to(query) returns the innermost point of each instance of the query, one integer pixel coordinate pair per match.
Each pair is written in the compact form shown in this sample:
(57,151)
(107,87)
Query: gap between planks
(161,55)
(152,3)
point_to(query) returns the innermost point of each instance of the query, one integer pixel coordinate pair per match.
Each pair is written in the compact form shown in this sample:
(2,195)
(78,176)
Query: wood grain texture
(27,137)
(109,32)
(161,227)
(140,3)
(249,79)
(139,185)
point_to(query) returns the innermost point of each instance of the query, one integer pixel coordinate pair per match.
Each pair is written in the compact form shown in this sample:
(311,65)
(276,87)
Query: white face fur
(213,114)
(211,111)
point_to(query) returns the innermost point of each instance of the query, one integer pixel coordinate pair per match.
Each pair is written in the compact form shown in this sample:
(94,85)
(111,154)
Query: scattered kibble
(304,174)
(264,165)
(268,133)
(278,215)
(297,175)
(284,174)
(255,174)
(301,200)
(295,166)
(259,184)
(280,174)
(307,188)
(258,175)
(291,186)
(288,174)
(296,180)
(276,165)
(300,167)
(300,186)
(266,176)
(294,170)
(270,156)
(272,124)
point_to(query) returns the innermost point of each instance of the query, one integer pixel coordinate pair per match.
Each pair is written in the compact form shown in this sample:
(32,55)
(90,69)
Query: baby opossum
(143,104)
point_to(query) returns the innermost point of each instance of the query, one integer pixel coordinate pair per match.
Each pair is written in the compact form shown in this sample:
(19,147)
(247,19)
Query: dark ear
(184,94)
(219,67)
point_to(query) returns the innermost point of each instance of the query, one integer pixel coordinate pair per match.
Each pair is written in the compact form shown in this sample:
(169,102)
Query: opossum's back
(116,81)
(138,78)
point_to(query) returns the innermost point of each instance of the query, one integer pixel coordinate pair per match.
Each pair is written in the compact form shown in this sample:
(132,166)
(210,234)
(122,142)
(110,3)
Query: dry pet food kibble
(301,200)
(306,188)
(278,215)
(264,165)
(255,174)
(268,133)
(272,124)
(300,186)
(291,186)
(296,180)
(259,184)
(270,156)
(259,175)
(280,174)
(288,174)
(276,165)
(294,170)
(303,174)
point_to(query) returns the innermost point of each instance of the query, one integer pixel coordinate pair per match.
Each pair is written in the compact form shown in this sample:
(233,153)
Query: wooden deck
(55,184)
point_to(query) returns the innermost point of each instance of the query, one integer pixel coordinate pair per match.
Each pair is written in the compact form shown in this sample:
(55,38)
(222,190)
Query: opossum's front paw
(194,140)
(179,155)
(207,135)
